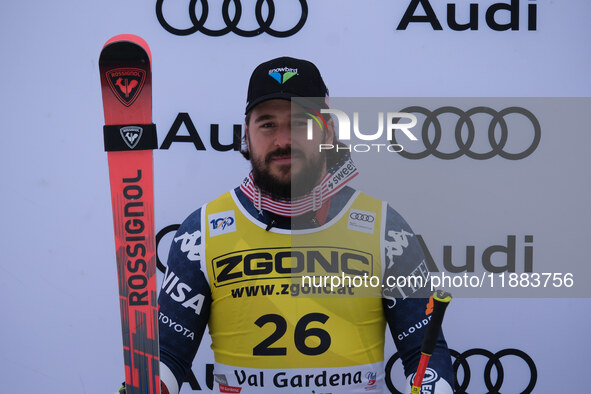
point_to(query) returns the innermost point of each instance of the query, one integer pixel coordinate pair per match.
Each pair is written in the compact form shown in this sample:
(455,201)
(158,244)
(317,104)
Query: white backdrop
(61,329)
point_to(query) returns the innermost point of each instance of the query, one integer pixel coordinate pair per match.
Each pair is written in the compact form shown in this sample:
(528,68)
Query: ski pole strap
(130,137)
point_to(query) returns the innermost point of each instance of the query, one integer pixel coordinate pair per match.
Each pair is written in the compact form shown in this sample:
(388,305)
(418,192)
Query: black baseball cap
(284,78)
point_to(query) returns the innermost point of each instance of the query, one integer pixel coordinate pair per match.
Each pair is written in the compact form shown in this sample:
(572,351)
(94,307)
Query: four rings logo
(232,19)
(493,360)
(465,133)
(361,221)
(362,216)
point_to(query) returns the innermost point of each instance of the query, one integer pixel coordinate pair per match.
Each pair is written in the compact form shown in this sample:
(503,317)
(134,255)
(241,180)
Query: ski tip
(130,38)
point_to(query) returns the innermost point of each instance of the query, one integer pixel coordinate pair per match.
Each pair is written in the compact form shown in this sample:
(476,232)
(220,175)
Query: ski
(129,137)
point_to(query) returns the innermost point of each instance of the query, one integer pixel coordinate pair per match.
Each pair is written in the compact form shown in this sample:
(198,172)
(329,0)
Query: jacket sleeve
(184,303)
(405,298)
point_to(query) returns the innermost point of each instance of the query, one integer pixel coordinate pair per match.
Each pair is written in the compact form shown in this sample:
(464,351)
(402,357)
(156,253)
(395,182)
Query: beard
(298,185)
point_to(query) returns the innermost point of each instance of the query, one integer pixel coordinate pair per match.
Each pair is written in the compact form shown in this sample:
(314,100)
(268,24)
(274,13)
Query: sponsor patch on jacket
(363,221)
(221,223)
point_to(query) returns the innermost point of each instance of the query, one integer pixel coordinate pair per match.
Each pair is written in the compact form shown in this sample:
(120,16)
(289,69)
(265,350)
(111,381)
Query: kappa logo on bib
(221,223)
(363,221)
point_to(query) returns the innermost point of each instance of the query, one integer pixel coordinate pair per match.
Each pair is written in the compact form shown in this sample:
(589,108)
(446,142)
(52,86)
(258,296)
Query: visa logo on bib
(221,223)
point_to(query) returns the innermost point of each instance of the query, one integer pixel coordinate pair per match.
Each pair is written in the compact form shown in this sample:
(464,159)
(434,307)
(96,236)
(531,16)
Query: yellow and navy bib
(273,306)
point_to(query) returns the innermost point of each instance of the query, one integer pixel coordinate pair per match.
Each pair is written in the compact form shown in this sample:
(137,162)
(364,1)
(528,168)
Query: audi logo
(361,216)
(465,144)
(494,360)
(232,21)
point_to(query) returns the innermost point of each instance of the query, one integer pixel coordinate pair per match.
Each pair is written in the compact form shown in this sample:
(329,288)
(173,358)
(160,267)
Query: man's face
(285,163)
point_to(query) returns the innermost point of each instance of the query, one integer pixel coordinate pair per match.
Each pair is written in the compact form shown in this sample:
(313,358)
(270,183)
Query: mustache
(282,152)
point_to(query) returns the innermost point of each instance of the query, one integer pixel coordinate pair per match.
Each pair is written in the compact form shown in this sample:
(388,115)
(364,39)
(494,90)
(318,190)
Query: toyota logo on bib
(232,12)
(499,135)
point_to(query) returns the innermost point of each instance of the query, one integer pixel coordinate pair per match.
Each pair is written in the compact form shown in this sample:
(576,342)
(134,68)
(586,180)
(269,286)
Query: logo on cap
(283,74)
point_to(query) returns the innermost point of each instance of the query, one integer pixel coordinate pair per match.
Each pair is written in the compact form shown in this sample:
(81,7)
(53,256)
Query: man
(236,264)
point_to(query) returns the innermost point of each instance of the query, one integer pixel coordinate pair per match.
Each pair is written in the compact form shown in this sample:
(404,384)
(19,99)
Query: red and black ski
(130,136)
